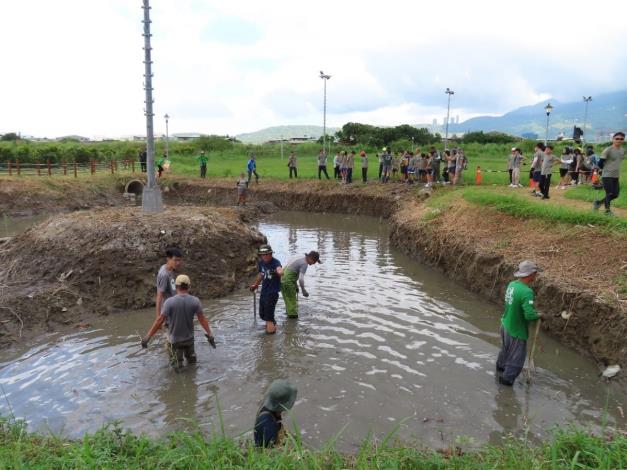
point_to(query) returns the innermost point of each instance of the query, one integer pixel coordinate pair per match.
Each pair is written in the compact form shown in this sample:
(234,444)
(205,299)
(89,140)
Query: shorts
(451,170)
(563,172)
(241,191)
(536,176)
(386,168)
(267,306)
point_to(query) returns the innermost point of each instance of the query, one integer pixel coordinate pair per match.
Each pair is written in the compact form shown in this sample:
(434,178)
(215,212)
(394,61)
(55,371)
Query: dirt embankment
(95,262)
(482,248)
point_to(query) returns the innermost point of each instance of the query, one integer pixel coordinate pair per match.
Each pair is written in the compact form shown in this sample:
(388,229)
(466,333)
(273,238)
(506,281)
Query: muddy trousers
(612,190)
(180,350)
(511,359)
(288,291)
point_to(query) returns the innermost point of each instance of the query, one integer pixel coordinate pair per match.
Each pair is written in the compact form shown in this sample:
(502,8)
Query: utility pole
(167,136)
(324,113)
(281,147)
(151,196)
(449,92)
(585,117)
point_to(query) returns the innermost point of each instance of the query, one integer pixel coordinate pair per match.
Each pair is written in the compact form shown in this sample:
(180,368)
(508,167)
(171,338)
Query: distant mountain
(285,132)
(606,114)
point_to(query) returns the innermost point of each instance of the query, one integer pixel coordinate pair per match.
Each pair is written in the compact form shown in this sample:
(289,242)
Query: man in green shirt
(519,311)
(610,162)
(203,159)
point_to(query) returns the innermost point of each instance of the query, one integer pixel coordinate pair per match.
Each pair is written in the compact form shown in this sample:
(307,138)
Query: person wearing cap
(295,271)
(269,276)
(252,168)
(166,277)
(610,162)
(519,311)
(178,313)
(268,429)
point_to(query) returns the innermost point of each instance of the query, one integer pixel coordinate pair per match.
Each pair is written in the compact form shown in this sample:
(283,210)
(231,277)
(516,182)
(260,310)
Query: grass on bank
(114,448)
(589,194)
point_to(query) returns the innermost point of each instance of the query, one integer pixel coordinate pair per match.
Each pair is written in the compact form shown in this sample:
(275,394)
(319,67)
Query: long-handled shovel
(255,306)
(530,365)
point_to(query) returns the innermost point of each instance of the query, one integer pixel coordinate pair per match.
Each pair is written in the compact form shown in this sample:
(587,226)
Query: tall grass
(114,448)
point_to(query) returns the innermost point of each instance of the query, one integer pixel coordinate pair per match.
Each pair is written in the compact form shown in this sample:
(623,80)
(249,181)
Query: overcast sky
(225,67)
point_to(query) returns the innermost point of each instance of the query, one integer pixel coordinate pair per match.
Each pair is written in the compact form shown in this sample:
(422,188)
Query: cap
(513,149)
(182,279)
(527,268)
(264,250)
(314,255)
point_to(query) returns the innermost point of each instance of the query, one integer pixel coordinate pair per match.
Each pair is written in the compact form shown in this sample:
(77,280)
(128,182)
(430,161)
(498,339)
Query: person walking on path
(547,170)
(166,277)
(364,166)
(269,276)
(610,162)
(336,166)
(143,156)
(291,163)
(350,164)
(178,314)
(322,164)
(268,429)
(510,167)
(295,271)
(242,189)
(536,166)
(519,311)
(202,160)
(517,161)
(252,168)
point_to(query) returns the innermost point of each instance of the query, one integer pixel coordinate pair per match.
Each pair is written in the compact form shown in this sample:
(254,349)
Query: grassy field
(114,448)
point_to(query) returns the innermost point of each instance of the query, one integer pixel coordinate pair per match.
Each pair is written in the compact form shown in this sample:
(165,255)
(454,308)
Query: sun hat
(182,279)
(264,250)
(526,268)
(281,396)
(314,255)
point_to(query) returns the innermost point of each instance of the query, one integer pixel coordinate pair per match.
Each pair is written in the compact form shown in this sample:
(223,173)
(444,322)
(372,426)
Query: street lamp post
(167,136)
(449,92)
(585,117)
(548,108)
(324,112)
(151,196)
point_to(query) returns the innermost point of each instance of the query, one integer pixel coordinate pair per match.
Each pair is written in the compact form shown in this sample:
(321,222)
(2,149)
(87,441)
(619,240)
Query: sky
(227,67)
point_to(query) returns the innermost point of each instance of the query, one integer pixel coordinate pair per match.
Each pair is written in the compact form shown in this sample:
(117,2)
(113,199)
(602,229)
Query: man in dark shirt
(270,272)
(281,396)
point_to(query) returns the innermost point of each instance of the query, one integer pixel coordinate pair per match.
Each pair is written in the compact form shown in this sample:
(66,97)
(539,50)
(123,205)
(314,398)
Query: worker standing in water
(295,272)
(269,276)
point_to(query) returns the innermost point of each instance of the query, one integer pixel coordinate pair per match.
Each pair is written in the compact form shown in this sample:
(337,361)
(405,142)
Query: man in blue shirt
(252,168)
(270,272)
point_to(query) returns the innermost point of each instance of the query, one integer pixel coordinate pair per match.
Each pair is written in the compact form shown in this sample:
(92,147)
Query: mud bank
(100,261)
(481,249)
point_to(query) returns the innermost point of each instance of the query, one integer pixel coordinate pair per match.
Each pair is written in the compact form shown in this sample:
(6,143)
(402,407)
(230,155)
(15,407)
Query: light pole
(585,118)
(151,196)
(548,108)
(449,92)
(324,112)
(167,136)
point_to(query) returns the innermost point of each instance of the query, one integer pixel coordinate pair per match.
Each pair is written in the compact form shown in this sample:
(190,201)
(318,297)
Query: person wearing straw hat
(178,313)
(519,312)
(280,397)
(295,271)
(269,276)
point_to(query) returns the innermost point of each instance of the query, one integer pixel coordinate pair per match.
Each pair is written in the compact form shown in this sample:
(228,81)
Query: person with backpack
(268,429)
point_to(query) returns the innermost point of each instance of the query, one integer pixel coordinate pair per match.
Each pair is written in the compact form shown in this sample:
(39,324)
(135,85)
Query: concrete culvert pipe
(134,187)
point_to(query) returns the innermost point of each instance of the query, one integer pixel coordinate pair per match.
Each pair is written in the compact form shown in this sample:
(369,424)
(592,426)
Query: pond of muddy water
(382,342)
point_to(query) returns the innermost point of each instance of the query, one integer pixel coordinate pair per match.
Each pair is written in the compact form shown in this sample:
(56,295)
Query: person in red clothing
(519,312)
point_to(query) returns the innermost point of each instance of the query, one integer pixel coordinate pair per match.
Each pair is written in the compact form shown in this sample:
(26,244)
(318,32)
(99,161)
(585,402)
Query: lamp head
(548,108)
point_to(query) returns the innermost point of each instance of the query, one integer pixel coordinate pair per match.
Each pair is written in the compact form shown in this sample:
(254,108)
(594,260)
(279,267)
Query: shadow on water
(381,338)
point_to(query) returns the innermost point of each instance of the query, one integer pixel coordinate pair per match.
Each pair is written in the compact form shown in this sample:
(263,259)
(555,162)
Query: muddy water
(11,226)
(381,343)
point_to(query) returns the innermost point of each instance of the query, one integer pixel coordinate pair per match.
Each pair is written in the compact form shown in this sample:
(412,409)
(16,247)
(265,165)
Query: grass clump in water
(114,448)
